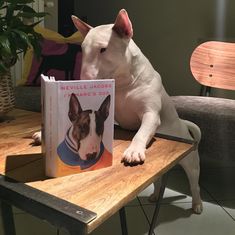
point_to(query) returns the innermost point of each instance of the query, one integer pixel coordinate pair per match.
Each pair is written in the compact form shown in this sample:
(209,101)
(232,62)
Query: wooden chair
(213,65)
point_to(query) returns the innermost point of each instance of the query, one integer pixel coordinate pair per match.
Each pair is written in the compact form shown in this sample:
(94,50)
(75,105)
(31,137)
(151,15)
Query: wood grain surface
(103,191)
(213,64)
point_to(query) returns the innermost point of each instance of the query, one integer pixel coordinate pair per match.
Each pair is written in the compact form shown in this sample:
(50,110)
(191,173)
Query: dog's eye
(102,50)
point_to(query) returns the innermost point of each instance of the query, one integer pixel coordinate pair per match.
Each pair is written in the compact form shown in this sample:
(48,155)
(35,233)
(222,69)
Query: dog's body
(83,144)
(141,102)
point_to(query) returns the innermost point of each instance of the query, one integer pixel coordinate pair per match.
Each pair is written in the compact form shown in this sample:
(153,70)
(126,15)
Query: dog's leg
(157,185)
(135,153)
(192,168)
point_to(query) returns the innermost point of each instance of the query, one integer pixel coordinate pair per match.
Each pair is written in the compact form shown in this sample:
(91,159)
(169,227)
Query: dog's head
(87,127)
(104,48)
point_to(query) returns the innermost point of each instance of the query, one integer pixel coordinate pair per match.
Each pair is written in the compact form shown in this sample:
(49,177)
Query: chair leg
(157,207)
(7,219)
(122,215)
(205,91)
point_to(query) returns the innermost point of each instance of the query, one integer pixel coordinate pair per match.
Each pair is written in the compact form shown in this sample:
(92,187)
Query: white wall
(167,31)
(51,20)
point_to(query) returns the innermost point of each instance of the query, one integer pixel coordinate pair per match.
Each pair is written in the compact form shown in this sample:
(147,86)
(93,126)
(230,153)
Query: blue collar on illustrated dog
(73,159)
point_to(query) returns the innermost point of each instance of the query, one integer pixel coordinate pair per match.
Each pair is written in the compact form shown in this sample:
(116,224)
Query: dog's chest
(125,111)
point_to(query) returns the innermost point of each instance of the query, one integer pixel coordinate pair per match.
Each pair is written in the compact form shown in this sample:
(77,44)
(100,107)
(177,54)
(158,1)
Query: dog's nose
(91,156)
(94,148)
(89,73)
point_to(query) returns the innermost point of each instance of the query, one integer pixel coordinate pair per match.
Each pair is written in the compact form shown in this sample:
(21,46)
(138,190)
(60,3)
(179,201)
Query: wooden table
(80,202)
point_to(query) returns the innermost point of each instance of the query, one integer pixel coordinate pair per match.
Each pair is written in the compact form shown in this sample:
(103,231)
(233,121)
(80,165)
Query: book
(77,126)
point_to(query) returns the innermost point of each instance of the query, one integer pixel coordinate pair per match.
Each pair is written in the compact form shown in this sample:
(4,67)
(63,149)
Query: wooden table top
(102,191)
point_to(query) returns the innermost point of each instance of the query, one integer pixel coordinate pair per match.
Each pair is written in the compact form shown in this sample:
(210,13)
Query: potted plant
(17,22)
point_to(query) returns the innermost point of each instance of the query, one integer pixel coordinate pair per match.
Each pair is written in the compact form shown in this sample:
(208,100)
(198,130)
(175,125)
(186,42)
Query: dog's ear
(74,107)
(122,25)
(104,107)
(81,26)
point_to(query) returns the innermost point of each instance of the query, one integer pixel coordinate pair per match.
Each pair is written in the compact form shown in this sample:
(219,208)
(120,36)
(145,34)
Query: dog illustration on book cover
(83,145)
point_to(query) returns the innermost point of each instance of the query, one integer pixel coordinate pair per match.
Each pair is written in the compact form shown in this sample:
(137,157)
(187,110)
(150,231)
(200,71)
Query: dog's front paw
(134,155)
(37,137)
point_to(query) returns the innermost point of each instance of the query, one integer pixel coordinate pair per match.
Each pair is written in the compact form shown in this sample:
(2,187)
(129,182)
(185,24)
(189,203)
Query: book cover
(78,125)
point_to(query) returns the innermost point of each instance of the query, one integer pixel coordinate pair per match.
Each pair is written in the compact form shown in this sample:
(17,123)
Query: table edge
(44,204)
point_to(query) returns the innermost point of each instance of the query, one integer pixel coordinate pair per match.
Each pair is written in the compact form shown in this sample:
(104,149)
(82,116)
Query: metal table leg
(7,219)
(157,208)
(122,215)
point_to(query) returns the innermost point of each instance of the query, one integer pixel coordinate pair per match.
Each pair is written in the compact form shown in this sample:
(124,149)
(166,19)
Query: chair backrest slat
(213,64)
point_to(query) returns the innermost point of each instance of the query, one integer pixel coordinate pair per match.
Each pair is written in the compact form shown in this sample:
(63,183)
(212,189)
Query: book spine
(43,117)
(51,125)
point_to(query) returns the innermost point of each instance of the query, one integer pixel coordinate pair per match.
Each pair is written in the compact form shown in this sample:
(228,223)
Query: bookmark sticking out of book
(77,126)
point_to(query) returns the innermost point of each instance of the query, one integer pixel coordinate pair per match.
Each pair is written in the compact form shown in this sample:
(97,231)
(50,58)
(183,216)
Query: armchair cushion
(61,58)
(216,118)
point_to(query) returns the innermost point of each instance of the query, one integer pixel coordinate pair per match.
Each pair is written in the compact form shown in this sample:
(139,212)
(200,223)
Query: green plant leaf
(36,44)
(30,15)
(2,68)
(24,8)
(23,36)
(35,23)
(20,1)
(9,12)
(1,3)
(5,47)
(16,32)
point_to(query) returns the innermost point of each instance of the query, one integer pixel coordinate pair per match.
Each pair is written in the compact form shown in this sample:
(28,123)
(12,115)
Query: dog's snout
(94,148)
(89,74)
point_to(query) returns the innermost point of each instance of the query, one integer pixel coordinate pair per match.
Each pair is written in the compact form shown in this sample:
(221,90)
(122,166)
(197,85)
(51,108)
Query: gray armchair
(213,65)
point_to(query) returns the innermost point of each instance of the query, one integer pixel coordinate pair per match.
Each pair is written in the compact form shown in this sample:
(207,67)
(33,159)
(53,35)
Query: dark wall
(168,31)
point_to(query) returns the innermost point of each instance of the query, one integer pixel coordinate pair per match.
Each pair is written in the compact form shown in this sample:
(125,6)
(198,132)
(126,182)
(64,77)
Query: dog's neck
(131,71)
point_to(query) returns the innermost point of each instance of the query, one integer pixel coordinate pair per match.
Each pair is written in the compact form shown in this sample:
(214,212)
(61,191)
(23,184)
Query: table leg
(157,208)
(7,219)
(122,215)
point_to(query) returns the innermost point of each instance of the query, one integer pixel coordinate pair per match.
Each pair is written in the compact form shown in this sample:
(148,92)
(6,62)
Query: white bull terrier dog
(141,102)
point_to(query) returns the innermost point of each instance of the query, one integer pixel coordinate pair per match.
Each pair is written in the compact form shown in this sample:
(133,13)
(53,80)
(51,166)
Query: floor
(217,182)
